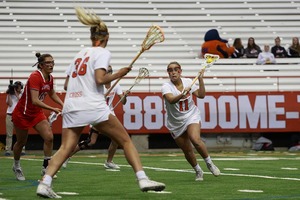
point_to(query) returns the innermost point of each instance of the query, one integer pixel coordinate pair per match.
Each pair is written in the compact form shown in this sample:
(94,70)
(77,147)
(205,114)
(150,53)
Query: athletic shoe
(199,176)
(65,164)
(7,153)
(18,173)
(213,169)
(146,185)
(23,153)
(45,191)
(43,172)
(111,165)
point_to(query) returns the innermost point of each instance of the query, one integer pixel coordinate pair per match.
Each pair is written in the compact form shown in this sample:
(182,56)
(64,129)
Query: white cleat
(65,164)
(199,176)
(111,165)
(213,169)
(46,191)
(18,173)
(146,185)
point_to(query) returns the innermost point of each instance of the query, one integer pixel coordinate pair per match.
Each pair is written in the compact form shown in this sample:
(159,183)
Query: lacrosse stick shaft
(124,96)
(119,102)
(117,81)
(196,78)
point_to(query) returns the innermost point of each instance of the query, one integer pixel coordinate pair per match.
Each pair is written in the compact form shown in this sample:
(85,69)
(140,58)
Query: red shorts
(25,122)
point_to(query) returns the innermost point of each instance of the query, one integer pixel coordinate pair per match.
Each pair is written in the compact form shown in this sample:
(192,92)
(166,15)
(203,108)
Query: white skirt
(179,130)
(85,117)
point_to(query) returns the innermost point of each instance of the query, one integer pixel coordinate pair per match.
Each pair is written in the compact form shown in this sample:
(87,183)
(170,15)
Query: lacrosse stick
(210,59)
(143,72)
(52,117)
(155,35)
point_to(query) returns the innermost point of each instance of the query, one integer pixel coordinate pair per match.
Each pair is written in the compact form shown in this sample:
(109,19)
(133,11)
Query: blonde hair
(98,28)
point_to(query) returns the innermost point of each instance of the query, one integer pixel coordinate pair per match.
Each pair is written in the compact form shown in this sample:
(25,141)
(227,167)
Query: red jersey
(37,82)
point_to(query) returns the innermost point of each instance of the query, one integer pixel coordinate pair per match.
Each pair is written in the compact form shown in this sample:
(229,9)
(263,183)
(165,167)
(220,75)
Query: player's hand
(57,110)
(186,91)
(201,74)
(126,93)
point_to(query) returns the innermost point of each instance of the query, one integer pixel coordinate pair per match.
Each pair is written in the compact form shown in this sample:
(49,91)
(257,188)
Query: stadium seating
(50,26)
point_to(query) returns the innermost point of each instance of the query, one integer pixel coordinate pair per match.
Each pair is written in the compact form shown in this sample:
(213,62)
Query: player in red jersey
(28,113)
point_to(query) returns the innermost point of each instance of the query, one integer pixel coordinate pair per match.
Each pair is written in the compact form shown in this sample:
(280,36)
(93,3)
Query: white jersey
(110,97)
(182,113)
(83,93)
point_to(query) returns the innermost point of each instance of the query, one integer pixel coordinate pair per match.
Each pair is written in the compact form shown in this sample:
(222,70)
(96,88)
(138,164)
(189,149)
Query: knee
(48,139)
(21,143)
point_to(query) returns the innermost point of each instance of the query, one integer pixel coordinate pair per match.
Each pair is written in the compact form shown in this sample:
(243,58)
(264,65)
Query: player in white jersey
(183,117)
(85,104)
(93,133)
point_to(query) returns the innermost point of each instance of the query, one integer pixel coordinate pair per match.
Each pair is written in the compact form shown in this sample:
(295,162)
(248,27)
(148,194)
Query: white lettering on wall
(231,101)
(133,118)
(153,112)
(226,112)
(253,116)
(212,113)
(274,111)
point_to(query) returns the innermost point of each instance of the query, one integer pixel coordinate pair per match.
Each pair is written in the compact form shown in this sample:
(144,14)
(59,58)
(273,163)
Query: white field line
(186,171)
(239,159)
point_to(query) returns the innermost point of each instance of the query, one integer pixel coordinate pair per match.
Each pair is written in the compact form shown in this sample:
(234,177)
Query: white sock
(197,168)
(141,175)
(17,163)
(208,160)
(47,180)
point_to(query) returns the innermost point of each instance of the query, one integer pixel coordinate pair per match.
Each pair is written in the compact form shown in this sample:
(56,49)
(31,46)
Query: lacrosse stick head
(155,35)
(210,59)
(143,72)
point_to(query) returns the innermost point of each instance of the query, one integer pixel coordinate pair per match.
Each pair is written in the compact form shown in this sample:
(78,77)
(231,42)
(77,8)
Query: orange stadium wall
(230,112)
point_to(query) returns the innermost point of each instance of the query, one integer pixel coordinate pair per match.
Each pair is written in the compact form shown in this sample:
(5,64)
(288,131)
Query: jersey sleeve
(69,70)
(34,82)
(165,89)
(102,60)
(118,90)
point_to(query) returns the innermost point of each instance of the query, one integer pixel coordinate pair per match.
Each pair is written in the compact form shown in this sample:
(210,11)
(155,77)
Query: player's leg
(194,136)
(184,143)
(45,131)
(84,144)
(109,164)
(114,129)
(69,141)
(21,136)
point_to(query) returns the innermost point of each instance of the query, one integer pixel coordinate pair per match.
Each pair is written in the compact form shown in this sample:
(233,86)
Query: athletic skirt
(85,117)
(25,122)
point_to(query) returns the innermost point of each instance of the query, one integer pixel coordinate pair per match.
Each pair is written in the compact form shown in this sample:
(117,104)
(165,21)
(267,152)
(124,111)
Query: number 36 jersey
(83,93)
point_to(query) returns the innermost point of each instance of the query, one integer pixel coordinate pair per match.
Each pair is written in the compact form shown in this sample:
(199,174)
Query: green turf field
(245,176)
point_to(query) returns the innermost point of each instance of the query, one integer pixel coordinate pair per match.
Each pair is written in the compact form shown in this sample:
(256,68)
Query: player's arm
(200,92)
(102,77)
(66,83)
(37,102)
(173,99)
(124,97)
(55,98)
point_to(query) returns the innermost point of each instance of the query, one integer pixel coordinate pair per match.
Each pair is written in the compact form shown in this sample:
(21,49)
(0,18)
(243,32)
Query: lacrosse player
(183,117)
(93,134)
(85,104)
(28,112)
